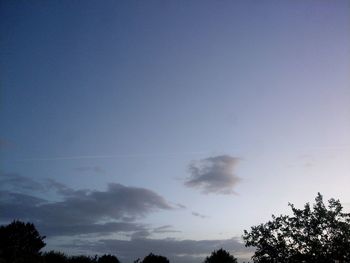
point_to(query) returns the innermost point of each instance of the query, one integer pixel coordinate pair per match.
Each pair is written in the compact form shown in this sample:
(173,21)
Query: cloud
(199,215)
(180,206)
(95,229)
(213,175)
(165,229)
(115,203)
(93,169)
(102,221)
(182,251)
(15,181)
(18,206)
(140,234)
(60,188)
(52,221)
(80,211)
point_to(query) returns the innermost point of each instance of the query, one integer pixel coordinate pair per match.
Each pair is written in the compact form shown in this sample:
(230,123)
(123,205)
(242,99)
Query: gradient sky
(170,126)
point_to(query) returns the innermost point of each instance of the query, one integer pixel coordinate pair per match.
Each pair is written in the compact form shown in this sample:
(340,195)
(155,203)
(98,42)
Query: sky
(130,127)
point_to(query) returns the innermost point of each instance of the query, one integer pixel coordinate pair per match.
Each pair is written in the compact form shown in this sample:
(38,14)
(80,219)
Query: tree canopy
(20,242)
(54,257)
(108,259)
(313,234)
(220,256)
(151,258)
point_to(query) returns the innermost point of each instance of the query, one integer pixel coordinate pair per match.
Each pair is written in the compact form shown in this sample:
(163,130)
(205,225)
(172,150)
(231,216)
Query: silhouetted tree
(220,256)
(108,259)
(20,242)
(82,259)
(151,258)
(54,257)
(317,234)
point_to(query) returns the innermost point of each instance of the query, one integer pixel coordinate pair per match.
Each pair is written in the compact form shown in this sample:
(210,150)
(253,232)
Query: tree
(220,256)
(319,234)
(20,242)
(151,258)
(108,259)
(54,257)
(82,259)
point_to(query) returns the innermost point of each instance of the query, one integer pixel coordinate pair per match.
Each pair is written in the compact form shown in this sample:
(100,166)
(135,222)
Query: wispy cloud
(180,206)
(213,175)
(196,214)
(11,181)
(165,229)
(94,169)
(111,156)
(104,229)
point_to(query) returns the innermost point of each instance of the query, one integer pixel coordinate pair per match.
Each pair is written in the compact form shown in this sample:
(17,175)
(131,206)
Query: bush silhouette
(82,259)
(220,256)
(54,257)
(108,259)
(151,258)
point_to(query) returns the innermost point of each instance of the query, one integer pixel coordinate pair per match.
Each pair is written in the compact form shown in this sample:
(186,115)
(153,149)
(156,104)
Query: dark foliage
(108,259)
(20,242)
(312,235)
(220,256)
(82,259)
(54,257)
(151,258)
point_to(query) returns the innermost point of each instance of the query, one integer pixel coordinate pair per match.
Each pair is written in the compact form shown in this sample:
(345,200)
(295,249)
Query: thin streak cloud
(112,156)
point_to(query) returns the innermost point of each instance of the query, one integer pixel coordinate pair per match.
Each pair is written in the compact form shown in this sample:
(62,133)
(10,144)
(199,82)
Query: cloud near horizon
(213,175)
(109,211)
(181,251)
(101,221)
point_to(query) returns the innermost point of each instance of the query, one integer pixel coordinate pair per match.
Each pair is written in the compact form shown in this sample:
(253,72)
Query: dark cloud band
(80,211)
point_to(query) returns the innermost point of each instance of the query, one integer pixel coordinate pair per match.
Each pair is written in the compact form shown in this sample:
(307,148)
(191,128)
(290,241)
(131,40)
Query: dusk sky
(130,127)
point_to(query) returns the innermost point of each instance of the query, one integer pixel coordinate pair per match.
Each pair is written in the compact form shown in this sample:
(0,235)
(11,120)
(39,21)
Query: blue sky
(207,116)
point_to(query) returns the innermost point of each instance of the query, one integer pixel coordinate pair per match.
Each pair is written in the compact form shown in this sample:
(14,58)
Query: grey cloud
(60,188)
(14,181)
(104,213)
(140,234)
(199,215)
(115,203)
(81,211)
(51,223)
(213,174)
(18,198)
(95,229)
(19,206)
(181,206)
(181,251)
(17,183)
(95,169)
(165,229)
